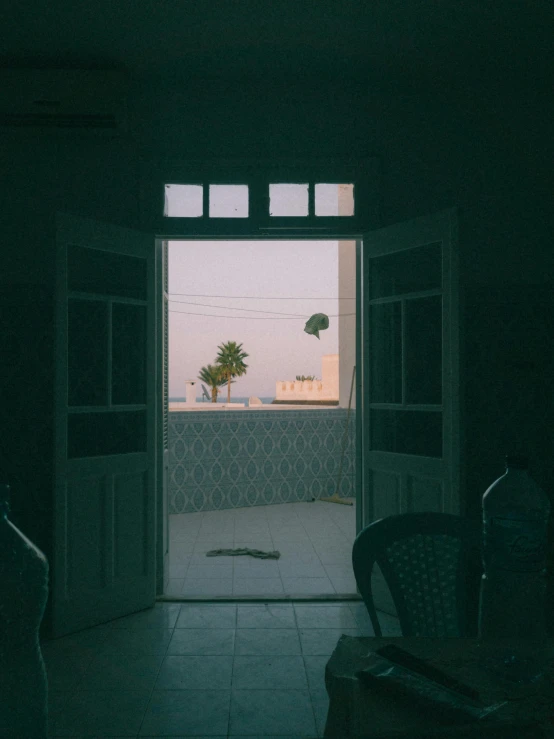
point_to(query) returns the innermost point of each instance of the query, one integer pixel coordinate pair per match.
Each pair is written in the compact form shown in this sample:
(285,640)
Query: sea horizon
(222,398)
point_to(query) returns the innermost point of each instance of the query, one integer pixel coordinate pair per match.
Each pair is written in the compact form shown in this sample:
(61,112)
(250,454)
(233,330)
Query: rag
(316,323)
(234,552)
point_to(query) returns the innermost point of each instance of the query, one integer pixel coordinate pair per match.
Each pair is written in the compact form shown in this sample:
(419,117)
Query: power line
(253,297)
(228,307)
(251,318)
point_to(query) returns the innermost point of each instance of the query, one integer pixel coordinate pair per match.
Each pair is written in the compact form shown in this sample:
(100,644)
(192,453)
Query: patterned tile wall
(233,459)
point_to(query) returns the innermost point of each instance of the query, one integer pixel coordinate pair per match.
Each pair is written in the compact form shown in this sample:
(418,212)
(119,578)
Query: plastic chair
(432,565)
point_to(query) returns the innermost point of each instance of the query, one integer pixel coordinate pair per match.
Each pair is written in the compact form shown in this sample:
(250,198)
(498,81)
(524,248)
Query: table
(356,711)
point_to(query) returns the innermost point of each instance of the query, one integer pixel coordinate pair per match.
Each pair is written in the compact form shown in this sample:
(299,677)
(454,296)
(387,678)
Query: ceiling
(239,39)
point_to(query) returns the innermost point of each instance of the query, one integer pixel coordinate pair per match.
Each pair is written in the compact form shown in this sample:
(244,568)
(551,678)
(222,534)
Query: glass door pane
(423,350)
(407,271)
(386,352)
(128,354)
(87,352)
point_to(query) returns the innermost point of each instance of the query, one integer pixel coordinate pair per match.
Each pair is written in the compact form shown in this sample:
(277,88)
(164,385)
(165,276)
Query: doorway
(112,442)
(251,474)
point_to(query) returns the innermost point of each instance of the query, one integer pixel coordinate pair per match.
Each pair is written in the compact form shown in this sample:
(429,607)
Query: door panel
(104,527)
(388,503)
(410,380)
(162,409)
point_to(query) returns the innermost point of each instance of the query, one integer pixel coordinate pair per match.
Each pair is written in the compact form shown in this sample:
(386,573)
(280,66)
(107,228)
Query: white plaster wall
(347,323)
(190,391)
(330,374)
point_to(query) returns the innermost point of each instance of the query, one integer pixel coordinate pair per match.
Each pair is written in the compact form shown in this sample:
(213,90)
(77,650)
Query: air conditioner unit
(63,98)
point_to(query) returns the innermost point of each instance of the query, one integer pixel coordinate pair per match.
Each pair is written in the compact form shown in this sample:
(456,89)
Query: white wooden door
(162,446)
(409,383)
(104,516)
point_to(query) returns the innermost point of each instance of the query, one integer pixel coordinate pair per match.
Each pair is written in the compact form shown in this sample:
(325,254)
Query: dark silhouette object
(23,596)
(432,565)
(316,323)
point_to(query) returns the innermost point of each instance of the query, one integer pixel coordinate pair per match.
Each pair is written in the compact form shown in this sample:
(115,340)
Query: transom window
(284,199)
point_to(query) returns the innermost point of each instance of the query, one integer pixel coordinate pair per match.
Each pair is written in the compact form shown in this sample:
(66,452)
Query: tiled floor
(201,670)
(314,539)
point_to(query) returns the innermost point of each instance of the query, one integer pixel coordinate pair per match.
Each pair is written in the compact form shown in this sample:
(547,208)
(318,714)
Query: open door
(408,389)
(162,406)
(104,514)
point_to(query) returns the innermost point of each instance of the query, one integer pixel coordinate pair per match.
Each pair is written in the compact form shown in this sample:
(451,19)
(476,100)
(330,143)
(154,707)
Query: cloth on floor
(252,552)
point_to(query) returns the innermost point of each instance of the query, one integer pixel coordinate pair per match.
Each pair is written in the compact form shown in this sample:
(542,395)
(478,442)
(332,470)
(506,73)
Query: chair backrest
(432,565)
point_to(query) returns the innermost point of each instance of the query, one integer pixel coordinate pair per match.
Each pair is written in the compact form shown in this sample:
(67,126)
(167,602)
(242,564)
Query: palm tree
(213,378)
(231,360)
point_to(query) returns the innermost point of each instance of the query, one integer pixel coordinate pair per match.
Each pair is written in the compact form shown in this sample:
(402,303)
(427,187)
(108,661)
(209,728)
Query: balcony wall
(233,459)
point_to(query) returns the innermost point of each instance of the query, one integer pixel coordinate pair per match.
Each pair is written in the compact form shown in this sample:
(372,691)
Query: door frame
(162,503)
(155,172)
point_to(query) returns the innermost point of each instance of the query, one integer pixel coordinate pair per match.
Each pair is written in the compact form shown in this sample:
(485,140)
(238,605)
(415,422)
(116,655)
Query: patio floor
(314,539)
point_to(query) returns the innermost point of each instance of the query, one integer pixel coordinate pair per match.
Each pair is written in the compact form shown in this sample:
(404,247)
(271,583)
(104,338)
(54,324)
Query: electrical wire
(253,297)
(228,307)
(252,318)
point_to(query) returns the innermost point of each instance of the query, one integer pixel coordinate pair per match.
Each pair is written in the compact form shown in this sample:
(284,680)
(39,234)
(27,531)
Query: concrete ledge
(313,403)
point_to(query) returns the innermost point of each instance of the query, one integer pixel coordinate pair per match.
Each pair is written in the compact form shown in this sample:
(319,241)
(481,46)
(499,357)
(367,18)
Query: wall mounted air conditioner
(63,98)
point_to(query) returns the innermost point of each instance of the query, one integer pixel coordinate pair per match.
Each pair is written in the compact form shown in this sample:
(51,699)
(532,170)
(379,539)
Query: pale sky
(279,349)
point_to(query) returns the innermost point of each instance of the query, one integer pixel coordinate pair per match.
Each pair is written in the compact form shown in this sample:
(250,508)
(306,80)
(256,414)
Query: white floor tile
(187,713)
(307,585)
(197,673)
(280,642)
(308,536)
(206,545)
(206,616)
(315,671)
(174,586)
(179,552)
(344,585)
(281,712)
(178,572)
(322,641)
(265,545)
(207,587)
(299,569)
(267,616)
(258,586)
(110,672)
(198,642)
(250,567)
(162,615)
(154,640)
(200,558)
(184,535)
(102,713)
(269,673)
(325,617)
(209,571)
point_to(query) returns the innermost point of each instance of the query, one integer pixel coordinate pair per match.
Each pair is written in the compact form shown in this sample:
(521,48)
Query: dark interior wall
(41,174)
(484,153)
(489,156)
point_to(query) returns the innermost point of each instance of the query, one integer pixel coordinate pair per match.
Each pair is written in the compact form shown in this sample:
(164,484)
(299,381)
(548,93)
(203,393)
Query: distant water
(221,398)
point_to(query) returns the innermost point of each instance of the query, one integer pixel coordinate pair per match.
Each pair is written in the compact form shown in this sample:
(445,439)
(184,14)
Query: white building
(312,391)
(190,391)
